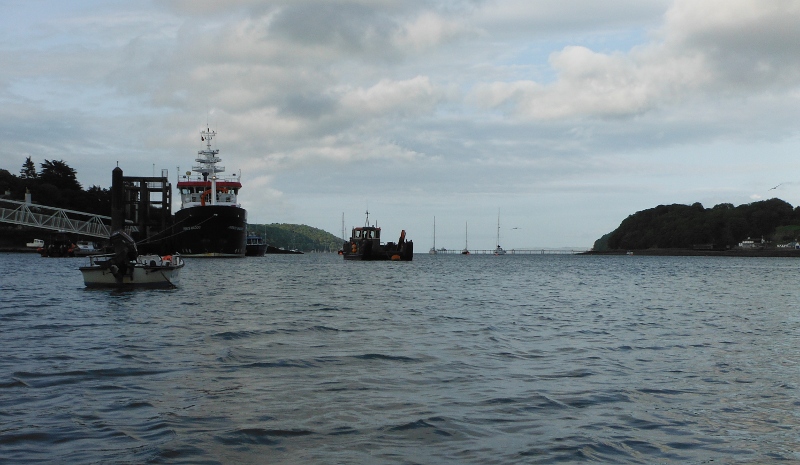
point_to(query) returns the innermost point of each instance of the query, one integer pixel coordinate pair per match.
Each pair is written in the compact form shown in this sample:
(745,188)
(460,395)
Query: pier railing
(56,219)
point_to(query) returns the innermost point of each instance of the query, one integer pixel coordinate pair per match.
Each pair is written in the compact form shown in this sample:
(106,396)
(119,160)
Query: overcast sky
(565,116)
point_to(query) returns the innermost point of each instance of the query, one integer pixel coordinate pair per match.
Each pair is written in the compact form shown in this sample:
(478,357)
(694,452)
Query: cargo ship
(210,222)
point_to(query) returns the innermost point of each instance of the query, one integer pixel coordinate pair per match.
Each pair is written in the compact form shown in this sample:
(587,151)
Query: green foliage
(684,226)
(601,245)
(8,182)
(296,236)
(59,174)
(56,186)
(28,170)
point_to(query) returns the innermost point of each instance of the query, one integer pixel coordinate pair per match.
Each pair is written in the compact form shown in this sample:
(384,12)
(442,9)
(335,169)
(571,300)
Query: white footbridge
(56,219)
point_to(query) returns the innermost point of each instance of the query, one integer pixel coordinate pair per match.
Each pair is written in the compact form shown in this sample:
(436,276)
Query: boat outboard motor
(124,253)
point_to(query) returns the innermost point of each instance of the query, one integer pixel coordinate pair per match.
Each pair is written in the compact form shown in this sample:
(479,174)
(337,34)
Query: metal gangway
(56,219)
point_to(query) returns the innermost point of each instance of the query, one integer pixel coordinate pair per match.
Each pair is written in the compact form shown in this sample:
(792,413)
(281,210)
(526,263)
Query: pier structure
(541,251)
(55,219)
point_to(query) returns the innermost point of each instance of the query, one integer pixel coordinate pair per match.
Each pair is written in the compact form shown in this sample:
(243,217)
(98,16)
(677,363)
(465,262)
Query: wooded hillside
(690,226)
(296,236)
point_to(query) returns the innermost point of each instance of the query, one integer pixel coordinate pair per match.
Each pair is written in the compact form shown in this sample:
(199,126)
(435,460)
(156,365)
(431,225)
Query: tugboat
(365,244)
(256,247)
(211,222)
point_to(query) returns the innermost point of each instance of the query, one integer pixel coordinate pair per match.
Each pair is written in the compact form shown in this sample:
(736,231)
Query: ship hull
(211,231)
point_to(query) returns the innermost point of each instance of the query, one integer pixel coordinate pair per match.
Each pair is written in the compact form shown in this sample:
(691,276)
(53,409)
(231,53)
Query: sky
(556,118)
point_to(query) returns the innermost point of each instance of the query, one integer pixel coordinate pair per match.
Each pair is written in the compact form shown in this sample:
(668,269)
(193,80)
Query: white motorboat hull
(146,272)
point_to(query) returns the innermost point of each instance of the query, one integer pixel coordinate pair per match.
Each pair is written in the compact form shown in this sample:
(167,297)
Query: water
(446,359)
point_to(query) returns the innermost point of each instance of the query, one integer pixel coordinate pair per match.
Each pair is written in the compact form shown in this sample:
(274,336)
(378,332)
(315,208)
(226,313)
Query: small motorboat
(85,248)
(36,244)
(255,247)
(127,269)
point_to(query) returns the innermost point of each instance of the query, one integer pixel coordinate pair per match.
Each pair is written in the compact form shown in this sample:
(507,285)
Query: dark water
(447,359)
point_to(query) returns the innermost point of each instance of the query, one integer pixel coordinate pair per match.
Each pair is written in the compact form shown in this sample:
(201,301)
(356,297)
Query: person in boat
(125,252)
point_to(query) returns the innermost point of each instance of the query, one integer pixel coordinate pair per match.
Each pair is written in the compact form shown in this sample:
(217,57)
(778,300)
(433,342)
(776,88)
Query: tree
(59,174)
(684,226)
(28,170)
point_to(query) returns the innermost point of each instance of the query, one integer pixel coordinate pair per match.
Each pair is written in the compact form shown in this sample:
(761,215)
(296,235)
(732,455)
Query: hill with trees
(693,226)
(296,236)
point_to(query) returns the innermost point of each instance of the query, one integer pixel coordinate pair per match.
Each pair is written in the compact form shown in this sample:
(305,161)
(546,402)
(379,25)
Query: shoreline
(703,253)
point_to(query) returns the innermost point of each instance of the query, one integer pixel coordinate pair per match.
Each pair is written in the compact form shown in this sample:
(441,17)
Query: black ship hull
(256,247)
(256,250)
(211,231)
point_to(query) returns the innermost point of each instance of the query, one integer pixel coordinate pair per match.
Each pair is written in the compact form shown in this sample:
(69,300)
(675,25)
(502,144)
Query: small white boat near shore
(85,248)
(125,268)
(37,243)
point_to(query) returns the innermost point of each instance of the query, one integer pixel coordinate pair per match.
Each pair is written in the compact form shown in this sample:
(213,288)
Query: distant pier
(515,252)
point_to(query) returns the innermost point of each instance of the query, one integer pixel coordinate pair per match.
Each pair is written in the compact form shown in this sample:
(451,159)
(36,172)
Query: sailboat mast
(498,228)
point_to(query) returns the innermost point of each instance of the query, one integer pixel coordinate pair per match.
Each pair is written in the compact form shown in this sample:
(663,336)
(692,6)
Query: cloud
(408,97)
(712,47)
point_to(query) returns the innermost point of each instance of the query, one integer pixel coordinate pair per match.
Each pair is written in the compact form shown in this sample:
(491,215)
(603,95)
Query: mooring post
(117,200)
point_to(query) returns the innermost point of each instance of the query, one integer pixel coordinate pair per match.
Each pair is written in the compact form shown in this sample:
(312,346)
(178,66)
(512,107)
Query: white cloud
(408,97)
(711,47)
(429,30)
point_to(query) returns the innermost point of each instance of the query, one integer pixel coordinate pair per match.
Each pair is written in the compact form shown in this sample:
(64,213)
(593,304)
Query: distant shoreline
(703,253)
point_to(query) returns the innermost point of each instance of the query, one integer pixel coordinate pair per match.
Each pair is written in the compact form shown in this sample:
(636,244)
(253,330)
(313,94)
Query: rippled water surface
(446,359)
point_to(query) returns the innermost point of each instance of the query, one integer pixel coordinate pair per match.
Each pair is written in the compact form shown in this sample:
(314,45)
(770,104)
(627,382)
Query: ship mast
(208,158)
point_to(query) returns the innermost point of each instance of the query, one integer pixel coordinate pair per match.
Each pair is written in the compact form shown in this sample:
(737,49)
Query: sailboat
(466,240)
(499,250)
(433,249)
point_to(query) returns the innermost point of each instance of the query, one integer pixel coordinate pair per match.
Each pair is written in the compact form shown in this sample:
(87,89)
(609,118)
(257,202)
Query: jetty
(540,251)
(54,219)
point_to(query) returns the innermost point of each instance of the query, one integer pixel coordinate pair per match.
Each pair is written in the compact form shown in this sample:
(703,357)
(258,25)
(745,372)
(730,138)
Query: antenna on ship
(366,223)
